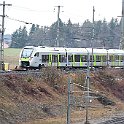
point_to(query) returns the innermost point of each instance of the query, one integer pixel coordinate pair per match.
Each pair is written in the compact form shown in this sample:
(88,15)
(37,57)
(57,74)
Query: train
(61,57)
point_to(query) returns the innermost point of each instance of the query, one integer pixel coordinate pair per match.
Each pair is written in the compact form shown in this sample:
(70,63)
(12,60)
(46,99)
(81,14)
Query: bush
(53,76)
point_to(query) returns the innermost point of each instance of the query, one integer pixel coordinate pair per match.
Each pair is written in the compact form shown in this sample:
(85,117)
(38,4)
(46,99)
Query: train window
(54,58)
(121,58)
(116,57)
(98,58)
(62,58)
(45,58)
(26,52)
(77,58)
(70,58)
(36,54)
(104,58)
(91,58)
(84,58)
(111,58)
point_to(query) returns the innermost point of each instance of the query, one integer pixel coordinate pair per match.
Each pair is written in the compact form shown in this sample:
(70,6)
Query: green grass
(11,56)
(11,51)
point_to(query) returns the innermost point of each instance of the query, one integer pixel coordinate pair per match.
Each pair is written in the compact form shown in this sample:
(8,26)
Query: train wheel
(39,67)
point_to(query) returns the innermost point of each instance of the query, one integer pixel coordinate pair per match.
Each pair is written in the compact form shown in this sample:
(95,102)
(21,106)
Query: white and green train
(38,57)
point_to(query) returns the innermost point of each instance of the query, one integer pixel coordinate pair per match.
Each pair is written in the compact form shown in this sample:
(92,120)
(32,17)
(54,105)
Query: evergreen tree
(104,35)
(87,28)
(112,26)
(23,37)
(14,39)
(19,38)
(53,33)
(70,35)
(33,29)
(31,39)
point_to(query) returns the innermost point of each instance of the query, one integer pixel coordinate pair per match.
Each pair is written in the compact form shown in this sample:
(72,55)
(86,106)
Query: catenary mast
(2,36)
(122,27)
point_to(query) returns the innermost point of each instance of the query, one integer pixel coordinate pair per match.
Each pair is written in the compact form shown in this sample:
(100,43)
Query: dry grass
(79,116)
(58,120)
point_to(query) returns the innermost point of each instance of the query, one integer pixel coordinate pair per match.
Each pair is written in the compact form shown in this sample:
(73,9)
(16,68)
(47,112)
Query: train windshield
(26,52)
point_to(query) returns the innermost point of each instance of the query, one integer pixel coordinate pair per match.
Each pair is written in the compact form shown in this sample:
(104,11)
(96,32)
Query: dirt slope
(26,98)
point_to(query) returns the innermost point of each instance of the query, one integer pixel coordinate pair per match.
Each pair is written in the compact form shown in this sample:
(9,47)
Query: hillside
(42,99)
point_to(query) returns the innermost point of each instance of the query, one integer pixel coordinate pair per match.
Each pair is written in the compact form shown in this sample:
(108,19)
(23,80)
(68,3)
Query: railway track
(40,71)
(114,120)
(21,72)
(37,71)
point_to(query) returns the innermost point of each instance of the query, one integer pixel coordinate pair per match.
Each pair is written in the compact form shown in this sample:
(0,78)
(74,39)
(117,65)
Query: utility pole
(92,38)
(2,37)
(69,104)
(58,27)
(88,88)
(122,27)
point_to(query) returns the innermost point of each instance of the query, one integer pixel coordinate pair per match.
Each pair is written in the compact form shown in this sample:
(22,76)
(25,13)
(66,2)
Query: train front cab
(25,56)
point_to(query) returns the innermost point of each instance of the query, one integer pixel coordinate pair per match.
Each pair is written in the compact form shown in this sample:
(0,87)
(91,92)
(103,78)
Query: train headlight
(30,58)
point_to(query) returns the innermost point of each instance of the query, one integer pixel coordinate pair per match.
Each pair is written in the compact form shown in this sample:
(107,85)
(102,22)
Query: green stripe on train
(50,59)
(25,59)
(94,60)
(73,59)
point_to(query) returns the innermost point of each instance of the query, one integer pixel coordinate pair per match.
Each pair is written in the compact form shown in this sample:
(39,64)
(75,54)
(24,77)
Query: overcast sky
(42,12)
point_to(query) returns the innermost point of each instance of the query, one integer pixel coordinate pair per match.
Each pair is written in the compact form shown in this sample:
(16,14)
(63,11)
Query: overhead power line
(18,20)
(29,9)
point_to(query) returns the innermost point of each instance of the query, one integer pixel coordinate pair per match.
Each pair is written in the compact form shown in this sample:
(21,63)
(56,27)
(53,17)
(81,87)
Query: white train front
(38,57)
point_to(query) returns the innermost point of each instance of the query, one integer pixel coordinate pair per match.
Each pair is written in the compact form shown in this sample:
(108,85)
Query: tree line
(98,34)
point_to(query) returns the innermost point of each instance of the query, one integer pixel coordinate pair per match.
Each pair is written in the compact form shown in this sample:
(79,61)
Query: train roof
(116,51)
(97,51)
(28,47)
(75,50)
(86,50)
(50,50)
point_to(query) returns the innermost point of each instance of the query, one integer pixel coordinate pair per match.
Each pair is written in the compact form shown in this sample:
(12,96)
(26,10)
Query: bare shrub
(80,78)
(53,76)
(106,77)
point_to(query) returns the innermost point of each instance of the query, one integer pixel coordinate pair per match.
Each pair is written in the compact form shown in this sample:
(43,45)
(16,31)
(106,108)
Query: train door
(77,60)
(45,60)
(111,60)
(62,61)
(54,60)
(36,60)
(70,60)
(121,60)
